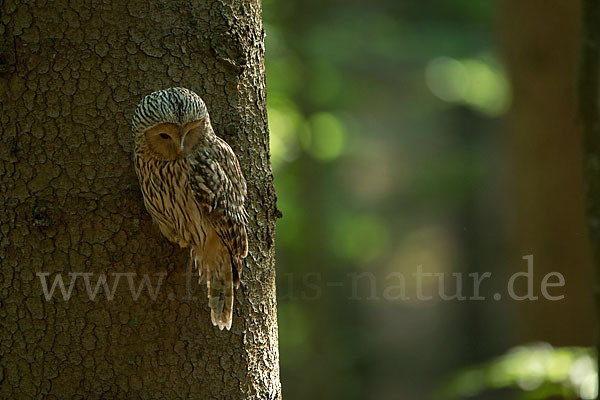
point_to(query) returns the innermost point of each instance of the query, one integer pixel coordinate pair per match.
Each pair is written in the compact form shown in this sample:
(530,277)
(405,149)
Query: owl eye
(165,136)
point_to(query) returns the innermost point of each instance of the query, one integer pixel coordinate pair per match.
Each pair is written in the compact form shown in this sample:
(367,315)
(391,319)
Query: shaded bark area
(541,43)
(71,74)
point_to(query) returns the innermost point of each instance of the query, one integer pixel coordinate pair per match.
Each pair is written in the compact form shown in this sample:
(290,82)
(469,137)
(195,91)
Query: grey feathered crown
(176,105)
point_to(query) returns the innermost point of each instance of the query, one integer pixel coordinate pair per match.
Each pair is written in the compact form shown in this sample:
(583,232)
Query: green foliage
(477,82)
(536,371)
(379,113)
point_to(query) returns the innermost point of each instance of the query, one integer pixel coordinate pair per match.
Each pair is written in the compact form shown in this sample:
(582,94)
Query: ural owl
(194,189)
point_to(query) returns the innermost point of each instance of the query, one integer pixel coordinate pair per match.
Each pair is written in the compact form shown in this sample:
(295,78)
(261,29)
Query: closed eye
(165,136)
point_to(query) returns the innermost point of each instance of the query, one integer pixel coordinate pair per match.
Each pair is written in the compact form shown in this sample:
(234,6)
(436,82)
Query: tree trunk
(71,74)
(589,79)
(541,39)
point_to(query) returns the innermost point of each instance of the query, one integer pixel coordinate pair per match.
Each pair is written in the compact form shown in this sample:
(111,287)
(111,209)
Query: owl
(194,190)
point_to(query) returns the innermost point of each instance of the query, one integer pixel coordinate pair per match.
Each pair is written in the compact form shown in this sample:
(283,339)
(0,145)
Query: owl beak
(182,144)
(182,147)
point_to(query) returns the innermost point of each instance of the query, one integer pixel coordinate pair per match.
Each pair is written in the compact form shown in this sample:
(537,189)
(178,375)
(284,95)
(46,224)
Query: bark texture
(541,40)
(71,74)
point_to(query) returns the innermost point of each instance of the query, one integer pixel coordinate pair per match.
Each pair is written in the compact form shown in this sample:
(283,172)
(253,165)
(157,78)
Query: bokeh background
(434,133)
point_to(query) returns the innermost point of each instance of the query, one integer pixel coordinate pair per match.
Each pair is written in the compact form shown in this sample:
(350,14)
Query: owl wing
(220,189)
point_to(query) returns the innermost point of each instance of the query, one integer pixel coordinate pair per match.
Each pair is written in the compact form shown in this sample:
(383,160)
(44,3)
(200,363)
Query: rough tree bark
(71,74)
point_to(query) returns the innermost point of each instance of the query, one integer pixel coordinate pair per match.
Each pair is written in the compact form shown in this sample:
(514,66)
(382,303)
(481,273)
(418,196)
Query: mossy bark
(71,74)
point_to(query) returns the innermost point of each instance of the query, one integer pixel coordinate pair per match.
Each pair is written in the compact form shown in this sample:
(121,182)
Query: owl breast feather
(170,201)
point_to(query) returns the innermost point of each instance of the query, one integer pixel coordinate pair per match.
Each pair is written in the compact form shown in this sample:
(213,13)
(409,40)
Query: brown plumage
(194,189)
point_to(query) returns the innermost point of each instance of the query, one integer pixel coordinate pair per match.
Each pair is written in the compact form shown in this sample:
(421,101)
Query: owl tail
(220,297)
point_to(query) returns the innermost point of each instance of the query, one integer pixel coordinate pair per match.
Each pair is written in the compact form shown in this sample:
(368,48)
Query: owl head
(169,123)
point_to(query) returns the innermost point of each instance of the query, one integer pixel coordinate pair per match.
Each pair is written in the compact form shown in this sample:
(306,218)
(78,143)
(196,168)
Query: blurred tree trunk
(70,78)
(589,78)
(541,40)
